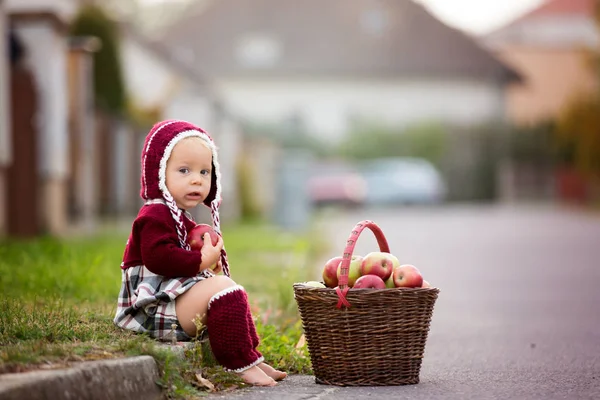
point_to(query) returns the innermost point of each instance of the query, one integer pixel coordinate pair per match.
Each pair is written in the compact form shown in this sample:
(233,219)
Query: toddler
(164,284)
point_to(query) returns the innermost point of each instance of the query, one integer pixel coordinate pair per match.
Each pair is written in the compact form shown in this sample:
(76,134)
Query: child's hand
(210,254)
(219,267)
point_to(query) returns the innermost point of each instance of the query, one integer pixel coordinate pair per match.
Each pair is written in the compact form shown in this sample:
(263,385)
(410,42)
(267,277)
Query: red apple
(196,236)
(379,263)
(407,275)
(330,271)
(425,284)
(353,270)
(369,282)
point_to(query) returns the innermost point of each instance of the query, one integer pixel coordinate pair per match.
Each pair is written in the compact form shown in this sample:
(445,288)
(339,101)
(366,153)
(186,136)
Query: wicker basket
(365,337)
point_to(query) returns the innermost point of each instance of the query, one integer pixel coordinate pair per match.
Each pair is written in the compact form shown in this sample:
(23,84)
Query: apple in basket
(379,263)
(407,275)
(330,271)
(389,283)
(353,270)
(196,236)
(314,284)
(425,284)
(369,282)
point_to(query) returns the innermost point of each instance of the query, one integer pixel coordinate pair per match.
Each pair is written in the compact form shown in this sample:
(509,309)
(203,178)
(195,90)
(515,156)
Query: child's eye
(184,170)
(205,172)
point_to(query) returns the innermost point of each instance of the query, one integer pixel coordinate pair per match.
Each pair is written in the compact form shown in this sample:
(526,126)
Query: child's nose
(196,179)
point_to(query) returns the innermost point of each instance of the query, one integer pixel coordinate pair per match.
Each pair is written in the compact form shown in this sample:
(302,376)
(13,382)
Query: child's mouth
(194,195)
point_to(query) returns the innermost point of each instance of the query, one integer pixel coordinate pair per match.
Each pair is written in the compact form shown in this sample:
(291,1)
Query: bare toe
(255,376)
(272,372)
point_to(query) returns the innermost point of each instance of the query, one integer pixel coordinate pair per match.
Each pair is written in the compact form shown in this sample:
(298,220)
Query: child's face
(188,173)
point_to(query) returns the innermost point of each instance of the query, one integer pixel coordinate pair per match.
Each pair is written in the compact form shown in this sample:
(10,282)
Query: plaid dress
(155,270)
(147,302)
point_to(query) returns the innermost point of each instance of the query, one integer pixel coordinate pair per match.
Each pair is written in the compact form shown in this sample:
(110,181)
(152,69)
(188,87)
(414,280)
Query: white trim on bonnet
(155,201)
(146,153)
(163,202)
(162,169)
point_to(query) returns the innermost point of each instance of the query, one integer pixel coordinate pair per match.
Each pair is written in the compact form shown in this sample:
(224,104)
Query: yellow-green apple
(379,263)
(389,283)
(425,284)
(196,236)
(353,270)
(330,271)
(369,281)
(407,275)
(314,284)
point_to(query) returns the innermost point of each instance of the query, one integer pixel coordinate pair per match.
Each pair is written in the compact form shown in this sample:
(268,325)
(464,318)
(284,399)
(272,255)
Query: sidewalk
(135,378)
(106,379)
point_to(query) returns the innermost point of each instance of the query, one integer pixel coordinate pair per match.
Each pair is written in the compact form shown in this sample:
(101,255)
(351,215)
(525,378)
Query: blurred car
(337,184)
(403,180)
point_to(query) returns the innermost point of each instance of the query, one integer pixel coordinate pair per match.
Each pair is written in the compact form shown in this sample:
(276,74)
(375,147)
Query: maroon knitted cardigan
(153,242)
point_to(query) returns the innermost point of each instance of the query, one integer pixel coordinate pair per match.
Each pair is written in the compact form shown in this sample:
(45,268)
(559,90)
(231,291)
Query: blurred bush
(109,87)
(250,209)
(366,141)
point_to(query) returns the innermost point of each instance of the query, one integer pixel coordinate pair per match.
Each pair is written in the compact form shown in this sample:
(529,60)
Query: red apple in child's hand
(379,263)
(330,271)
(369,282)
(407,275)
(196,236)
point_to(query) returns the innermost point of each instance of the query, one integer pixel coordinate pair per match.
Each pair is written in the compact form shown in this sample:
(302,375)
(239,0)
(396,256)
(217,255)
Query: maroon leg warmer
(252,328)
(231,331)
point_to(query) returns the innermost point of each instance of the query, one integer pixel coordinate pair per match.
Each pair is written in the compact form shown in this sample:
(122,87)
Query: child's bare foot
(272,372)
(255,376)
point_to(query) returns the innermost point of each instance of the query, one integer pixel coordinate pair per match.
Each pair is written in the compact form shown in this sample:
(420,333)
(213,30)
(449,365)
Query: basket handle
(342,288)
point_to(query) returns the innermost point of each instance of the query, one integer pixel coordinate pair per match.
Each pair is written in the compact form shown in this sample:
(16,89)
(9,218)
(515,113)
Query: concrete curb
(133,377)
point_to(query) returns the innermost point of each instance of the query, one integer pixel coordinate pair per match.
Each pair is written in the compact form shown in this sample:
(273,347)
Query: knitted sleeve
(160,249)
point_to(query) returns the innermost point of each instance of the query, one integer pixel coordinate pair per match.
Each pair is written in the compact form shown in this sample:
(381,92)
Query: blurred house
(550,46)
(63,164)
(37,167)
(330,63)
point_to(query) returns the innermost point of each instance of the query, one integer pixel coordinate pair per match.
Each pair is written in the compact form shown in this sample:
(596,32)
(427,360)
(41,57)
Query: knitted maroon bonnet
(158,146)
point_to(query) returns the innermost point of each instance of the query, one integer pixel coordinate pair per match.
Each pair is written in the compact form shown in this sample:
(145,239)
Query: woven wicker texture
(378,340)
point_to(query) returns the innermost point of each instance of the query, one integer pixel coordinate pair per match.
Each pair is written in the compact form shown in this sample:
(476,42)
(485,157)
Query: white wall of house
(46,56)
(47,59)
(191,105)
(64,9)
(326,107)
(148,79)
(551,31)
(154,83)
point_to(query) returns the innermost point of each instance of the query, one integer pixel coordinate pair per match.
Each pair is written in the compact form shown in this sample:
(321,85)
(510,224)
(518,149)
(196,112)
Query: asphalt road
(518,316)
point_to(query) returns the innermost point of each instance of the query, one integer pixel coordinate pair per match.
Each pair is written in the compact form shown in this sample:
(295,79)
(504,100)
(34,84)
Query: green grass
(59,298)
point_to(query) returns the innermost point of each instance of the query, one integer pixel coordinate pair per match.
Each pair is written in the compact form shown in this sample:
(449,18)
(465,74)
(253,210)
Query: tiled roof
(562,7)
(393,38)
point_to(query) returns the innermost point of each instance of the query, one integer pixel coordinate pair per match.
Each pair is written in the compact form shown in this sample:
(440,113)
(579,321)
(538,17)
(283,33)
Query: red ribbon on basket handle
(342,288)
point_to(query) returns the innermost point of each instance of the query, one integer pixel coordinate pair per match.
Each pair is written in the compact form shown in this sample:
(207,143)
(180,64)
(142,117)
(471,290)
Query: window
(258,50)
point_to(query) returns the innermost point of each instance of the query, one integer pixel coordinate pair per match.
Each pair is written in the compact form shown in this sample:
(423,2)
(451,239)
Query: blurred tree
(151,17)
(108,79)
(367,141)
(578,133)
(578,126)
